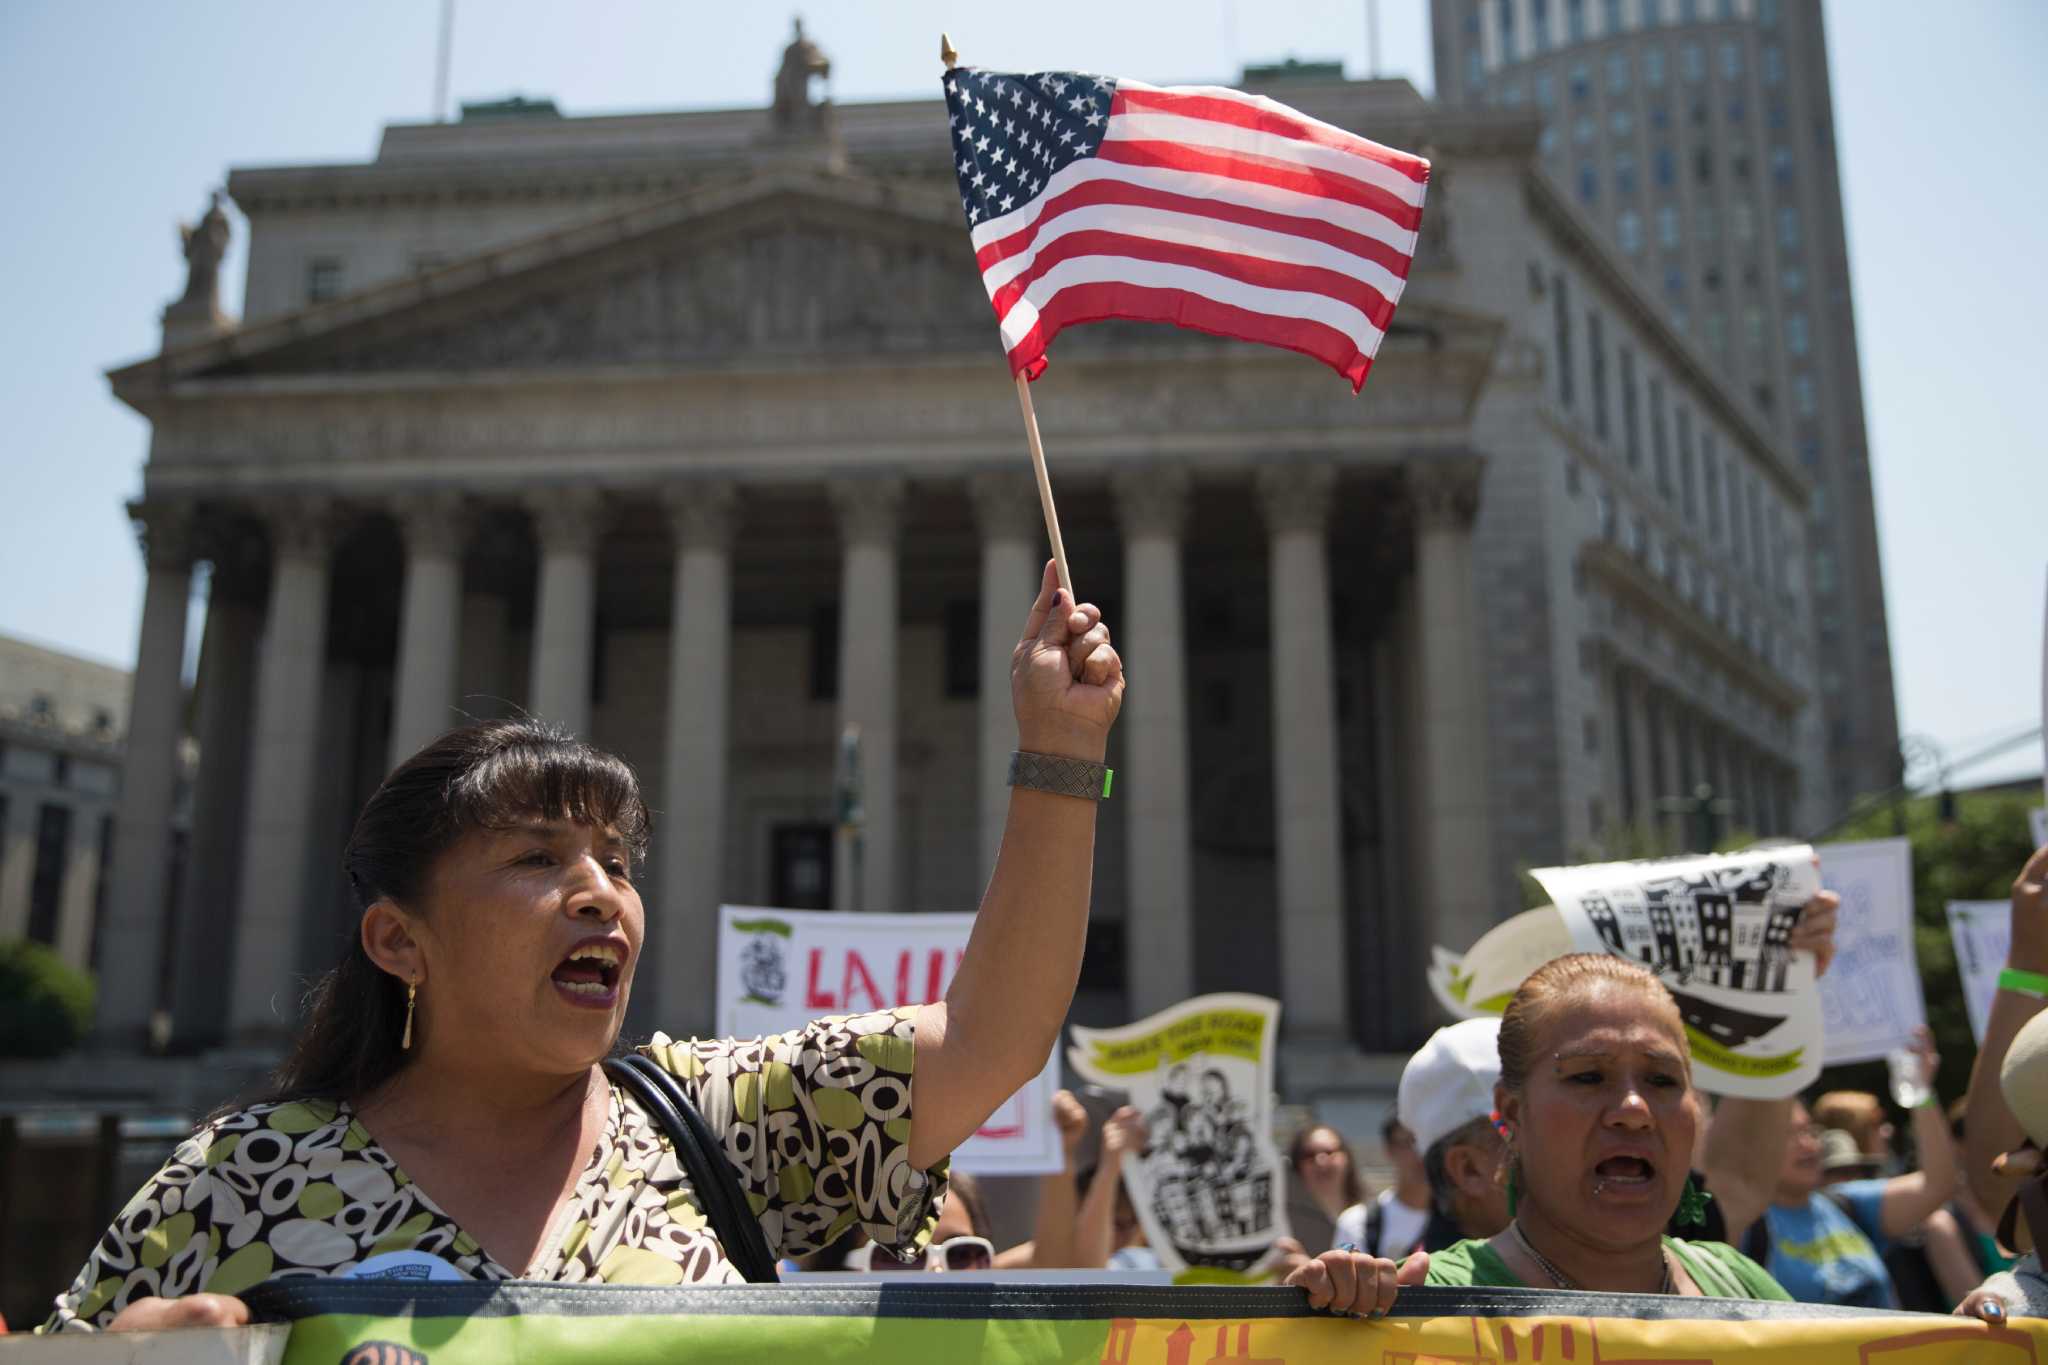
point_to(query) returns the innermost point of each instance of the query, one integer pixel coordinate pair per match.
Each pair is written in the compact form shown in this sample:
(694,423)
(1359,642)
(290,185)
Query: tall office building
(1700,135)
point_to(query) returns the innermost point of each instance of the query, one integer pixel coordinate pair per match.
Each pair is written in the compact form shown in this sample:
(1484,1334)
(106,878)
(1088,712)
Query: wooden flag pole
(950,58)
(1052,516)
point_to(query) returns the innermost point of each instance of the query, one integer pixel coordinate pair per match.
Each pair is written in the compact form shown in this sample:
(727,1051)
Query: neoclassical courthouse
(692,432)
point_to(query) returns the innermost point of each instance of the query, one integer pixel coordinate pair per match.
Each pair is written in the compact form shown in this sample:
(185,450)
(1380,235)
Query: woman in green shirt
(1595,1101)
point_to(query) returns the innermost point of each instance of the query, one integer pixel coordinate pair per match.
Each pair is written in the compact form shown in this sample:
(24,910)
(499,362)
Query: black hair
(493,775)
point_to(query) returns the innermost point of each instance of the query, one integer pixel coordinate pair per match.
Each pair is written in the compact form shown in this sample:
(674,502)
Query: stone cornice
(1584,242)
(1628,581)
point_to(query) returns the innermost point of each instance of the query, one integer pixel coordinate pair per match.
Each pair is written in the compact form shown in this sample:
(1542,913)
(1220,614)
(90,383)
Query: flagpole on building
(950,57)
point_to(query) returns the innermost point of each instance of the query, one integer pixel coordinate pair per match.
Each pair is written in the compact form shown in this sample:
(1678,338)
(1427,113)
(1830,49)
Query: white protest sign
(2037,821)
(1982,931)
(780,969)
(1717,930)
(1483,979)
(1870,1000)
(1211,1189)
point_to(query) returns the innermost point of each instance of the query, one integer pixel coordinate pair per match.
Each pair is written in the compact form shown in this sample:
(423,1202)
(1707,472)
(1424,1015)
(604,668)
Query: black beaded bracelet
(1075,777)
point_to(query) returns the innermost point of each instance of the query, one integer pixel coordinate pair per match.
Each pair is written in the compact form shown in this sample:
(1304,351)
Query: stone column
(282,762)
(1457,836)
(1152,506)
(227,692)
(869,509)
(1617,743)
(1643,759)
(429,621)
(1006,512)
(1305,805)
(694,768)
(139,898)
(566,522)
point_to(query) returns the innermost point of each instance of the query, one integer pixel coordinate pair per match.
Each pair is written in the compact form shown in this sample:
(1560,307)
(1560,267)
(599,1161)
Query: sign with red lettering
(780,969)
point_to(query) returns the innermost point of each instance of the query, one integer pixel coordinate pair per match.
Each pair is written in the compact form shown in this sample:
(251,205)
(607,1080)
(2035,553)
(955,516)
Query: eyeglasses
(955,1253)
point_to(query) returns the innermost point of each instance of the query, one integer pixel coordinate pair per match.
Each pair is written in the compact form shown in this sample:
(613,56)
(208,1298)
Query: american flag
(1091,198)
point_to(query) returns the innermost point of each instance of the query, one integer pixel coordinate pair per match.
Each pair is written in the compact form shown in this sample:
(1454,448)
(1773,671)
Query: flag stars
(1007,202)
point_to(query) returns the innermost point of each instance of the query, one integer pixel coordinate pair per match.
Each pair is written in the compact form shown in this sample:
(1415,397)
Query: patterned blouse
(816,1123)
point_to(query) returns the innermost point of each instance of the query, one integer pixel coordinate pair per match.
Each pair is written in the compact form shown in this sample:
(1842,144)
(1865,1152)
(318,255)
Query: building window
(1753,327)
(1705,225)
(1703,165)
(1596,369)
(1666,167)
(1583,130)
(1809,453)
(1742,222)
(1687,491)
(1546,141)
(1797,341)
(1630,439)
(1793,279)
(46,890)
(1710,463)
(1507,30)
(1582,80)
(1774,64)
(1688,11)
(1788,227)
(323,279)
(1589,184)
(1714,330)
(1617,73)
(1546,90)
(1681,321)
(1804,403)
(1758,554)
(1539,26)
(1660,449)
(1621,124)
(1767,13)
(1628,230)
(825,651)
(1674,276)
(1781,165)
(1736,109)
(1824,576)
(1692,62)
(1475,68)
(1563,317)
(1775,116)
(1653,67)
(963,649)
(1731,60)
(1711,278)
(1575,20)
(1624,173)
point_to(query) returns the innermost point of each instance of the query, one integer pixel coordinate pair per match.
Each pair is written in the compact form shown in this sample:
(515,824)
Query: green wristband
(2024,983)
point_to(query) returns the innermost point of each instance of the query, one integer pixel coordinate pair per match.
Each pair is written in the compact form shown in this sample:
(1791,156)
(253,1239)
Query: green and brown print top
(816,1123)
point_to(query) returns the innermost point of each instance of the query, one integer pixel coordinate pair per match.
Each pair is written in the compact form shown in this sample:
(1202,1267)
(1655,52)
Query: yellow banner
(1221,1032)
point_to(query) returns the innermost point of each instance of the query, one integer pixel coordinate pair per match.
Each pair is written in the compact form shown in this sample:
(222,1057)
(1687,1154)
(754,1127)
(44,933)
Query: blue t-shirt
(1822,1254)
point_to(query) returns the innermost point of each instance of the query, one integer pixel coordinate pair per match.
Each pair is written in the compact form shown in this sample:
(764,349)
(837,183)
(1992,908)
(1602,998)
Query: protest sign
(1982,931)
(780,969)
(1483,979)
(1210,1190)
(1717,930)
(2037,822)
(1870,1000)
(954,1319)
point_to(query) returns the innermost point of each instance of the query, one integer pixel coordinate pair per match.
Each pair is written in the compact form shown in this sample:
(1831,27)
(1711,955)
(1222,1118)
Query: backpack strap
(1756,1241)
(703,1158)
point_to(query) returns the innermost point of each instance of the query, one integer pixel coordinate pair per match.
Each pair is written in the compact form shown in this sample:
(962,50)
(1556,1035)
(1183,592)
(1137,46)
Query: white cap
(1449,1081)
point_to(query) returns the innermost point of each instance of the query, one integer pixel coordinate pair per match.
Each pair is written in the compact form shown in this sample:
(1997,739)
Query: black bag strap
(703,1157)
(1375,1227)
(1756,1242)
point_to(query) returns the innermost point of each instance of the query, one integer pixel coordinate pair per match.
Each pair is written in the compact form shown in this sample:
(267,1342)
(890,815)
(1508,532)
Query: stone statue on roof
(205,243)
(794,110)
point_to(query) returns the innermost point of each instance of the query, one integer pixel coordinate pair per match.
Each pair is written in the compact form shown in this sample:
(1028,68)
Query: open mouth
(589,975)
(1624,1172)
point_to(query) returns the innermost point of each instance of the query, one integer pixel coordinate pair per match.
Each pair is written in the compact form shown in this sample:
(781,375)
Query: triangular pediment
(789,265)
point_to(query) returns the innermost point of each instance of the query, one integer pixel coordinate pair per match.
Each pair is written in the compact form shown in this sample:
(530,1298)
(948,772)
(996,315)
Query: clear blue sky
(120,116)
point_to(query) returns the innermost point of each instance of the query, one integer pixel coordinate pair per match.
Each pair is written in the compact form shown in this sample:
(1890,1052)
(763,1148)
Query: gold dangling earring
(411,993)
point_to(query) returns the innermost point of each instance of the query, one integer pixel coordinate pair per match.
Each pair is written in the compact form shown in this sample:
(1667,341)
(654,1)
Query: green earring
(1692,1205)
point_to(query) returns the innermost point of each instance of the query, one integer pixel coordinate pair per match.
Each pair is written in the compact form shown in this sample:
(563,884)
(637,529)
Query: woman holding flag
(447,1111)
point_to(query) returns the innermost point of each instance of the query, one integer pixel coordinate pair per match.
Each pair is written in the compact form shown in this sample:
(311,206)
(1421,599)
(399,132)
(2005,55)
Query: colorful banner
(1981,931)
(1870,1000)
(780,969)
(1211,1189)
(1716,928)
(352,1323)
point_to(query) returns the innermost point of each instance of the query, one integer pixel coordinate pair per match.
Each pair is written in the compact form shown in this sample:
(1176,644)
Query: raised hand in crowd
(1096,1234)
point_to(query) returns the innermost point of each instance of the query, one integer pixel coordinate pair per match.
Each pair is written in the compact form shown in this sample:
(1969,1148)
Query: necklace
(1564,1281)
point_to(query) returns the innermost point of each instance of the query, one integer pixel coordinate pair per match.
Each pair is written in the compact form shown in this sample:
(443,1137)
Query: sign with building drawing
(1717,930)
